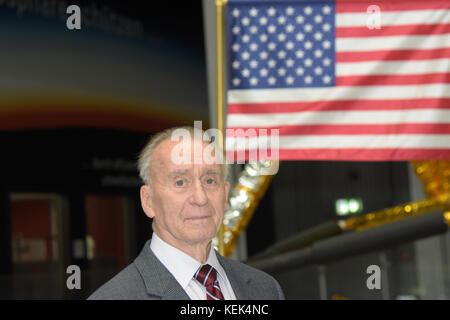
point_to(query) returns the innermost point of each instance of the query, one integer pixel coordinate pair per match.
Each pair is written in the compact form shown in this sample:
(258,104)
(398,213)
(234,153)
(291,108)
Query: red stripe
(379,129)
(393,79)
(358,154)
(365,154)
(338,105)
(343,6)
(384,31)
(392,55)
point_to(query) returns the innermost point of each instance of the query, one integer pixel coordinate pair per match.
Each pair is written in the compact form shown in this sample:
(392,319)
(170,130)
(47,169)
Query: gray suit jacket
(147,279)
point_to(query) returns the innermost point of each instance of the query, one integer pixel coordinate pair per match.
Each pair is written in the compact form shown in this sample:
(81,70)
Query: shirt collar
(181,265)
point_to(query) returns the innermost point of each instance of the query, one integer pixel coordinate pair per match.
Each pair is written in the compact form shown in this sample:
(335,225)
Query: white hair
(145,158)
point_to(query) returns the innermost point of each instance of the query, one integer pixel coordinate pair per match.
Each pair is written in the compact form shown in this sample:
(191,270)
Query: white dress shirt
(183,267)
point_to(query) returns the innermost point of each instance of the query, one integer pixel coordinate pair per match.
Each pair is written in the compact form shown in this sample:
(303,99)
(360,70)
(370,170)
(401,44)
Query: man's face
(187,201)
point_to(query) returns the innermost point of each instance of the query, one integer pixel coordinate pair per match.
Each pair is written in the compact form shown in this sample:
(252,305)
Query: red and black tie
(207,276)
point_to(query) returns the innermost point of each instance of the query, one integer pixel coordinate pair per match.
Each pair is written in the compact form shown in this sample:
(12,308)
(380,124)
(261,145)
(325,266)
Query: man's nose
(199,197)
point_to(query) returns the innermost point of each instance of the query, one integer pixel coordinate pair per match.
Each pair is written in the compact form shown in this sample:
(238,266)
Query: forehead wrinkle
(179,172)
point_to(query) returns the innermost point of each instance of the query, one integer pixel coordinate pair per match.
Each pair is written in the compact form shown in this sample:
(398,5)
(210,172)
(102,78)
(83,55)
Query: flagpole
(220,4)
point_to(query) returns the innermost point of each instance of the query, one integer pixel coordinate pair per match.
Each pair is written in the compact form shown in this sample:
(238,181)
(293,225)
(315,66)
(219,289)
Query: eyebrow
(178,172)
(212,172)
(185,171)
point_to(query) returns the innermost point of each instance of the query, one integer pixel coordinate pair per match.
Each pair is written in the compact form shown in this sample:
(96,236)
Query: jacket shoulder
(127,284)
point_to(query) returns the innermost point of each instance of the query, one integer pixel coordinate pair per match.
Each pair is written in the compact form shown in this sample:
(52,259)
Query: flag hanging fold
(342,80)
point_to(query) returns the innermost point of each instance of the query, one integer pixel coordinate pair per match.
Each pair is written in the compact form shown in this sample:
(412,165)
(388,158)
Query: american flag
(342,80)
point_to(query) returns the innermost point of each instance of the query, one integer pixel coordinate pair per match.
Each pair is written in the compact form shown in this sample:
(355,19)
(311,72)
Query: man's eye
(210,181)
(179,183)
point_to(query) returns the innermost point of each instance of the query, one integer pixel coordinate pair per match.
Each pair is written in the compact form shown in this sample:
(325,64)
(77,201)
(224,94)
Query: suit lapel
(239,281)
(158,281)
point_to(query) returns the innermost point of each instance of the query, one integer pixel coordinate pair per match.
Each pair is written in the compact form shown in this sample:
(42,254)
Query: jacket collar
(239,280)
(160,282)
(157,279)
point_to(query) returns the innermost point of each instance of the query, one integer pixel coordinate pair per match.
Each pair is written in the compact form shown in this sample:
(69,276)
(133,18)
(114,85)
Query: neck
(198,250)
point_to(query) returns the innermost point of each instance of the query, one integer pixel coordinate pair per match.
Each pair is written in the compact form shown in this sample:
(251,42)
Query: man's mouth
(198,218)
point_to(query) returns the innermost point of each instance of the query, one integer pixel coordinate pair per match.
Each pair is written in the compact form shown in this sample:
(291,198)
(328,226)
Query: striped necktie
(207,276)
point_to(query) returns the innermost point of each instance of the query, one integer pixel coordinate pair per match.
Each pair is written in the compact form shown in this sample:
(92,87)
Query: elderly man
(186,200)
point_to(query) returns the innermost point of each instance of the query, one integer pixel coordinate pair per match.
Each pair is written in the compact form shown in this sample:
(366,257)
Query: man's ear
(146,201)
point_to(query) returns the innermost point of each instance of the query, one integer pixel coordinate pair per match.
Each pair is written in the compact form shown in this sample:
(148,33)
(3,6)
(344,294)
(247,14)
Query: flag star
(281,72)
(308,62)
(289,11)
(236,30)
(253,64)
(318,70)
(308,45)
(236,13)
(318,36)
(326,27)
(253,29)
(308,10)
(290,45)
(299,19)
(326,9)
(318,53)
(289,62)
(326,61)
(253,12)
(263,21)
(236,47)
(271,11)
(299,53)
(245,21)
(245,38)
(272,80)
(281,54)
(245,55)
(318,18)
(299,71)
(263,55)
(236,64)
(281,37)
(289,28)
(281,20)
(308,27)
(263,72)
(290,80)
(236,82)
(263,37)
(271,28)
(245,73)
(271,46)
(308,79)
(326,44)
(254,81)
(272,63)
(326,79)
(253,47)
(300,36)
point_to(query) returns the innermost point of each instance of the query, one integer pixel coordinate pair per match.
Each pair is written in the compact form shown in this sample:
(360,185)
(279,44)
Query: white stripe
(339,93)
(211,295)
(339,117)
(393,43)
(434,141)
(395,18)
(392,67)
